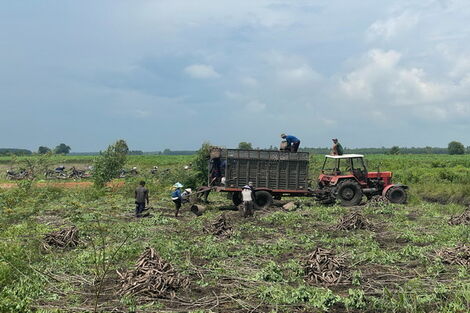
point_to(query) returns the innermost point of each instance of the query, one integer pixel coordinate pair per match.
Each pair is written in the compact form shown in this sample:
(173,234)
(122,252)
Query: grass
(259,268)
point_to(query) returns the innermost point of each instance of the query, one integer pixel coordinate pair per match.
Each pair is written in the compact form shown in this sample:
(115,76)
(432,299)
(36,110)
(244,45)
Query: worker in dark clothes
(177,198)
(141,196)
(337,148)
(293,142)
(217,171)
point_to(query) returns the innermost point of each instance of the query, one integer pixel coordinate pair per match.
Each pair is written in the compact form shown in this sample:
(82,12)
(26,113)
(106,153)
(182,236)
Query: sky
(173,74)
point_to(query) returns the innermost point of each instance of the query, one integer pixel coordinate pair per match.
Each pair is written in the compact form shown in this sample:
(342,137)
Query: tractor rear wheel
(349,193)
(263,199)
(396,195)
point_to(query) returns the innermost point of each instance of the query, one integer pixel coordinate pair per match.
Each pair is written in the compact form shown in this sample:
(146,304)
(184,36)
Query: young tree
(43,150)
(62,149)
(245,145)
(455,147)
(201,163)
(108,164)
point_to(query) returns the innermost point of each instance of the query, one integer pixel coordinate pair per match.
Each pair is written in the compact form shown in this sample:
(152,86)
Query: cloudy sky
(172,74)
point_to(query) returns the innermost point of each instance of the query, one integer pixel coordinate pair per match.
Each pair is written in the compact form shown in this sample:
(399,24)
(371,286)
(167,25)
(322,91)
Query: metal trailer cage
(279,171)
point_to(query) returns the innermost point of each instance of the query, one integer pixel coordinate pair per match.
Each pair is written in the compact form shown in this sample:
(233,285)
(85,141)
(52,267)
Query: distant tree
(121,147)
(9,151)
(394,150)
(245,145)
(62,149)
(108,164)
(166,152)
(43,150)
(456,147)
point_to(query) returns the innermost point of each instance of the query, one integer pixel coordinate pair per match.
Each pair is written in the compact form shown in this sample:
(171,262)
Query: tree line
(453,148)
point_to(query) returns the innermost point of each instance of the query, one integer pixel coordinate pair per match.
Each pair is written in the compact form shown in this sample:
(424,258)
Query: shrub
(108,164)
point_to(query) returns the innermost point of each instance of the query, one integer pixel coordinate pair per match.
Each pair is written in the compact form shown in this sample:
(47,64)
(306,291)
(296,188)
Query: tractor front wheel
(396,195)
(349,193)
(263,199)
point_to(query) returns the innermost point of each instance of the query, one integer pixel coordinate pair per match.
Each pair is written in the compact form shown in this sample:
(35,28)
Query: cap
(178,185)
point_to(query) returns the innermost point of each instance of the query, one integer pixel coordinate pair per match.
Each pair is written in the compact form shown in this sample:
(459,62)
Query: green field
(392,267)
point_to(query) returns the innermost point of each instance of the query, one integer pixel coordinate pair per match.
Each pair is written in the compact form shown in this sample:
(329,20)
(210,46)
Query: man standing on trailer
(293,142)
(337,148)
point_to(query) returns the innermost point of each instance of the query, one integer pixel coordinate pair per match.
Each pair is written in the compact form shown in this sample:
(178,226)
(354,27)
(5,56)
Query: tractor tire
(237,198)
(349,193)
(396,195)
(263,200)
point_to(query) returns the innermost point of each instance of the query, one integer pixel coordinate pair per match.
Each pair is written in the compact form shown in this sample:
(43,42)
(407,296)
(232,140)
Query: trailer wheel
(396,195)
(237,198)
(263,199)
(349,193)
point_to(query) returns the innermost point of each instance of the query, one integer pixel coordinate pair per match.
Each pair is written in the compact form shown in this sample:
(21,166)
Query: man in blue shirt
(176,197)
(293,142)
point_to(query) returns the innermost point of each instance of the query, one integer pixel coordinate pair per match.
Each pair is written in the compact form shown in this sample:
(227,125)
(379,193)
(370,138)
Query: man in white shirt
(248,198)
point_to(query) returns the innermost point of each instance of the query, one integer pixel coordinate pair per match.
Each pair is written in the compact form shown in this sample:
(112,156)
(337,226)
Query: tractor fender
(393,185)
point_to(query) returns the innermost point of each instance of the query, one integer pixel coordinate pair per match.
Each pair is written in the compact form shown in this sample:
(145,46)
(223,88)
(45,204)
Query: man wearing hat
(248,196)
(337,148)
(177,197)
(293,142)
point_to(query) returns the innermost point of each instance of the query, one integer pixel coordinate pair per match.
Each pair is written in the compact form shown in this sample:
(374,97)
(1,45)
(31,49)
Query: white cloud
(299,75)
(201,71)
(392,27)
(381,78)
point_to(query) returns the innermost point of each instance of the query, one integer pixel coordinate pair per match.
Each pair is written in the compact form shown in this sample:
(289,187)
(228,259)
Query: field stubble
(265,265)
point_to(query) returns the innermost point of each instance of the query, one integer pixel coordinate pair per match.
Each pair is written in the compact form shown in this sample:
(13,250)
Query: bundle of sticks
(322,266)
(352,221)
(64,238)
(152,277)
(460,255)
(220,228)
(377,201)
(462,219)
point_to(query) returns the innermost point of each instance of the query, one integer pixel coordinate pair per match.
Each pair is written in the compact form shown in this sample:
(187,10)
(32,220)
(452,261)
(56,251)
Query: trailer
(274,174)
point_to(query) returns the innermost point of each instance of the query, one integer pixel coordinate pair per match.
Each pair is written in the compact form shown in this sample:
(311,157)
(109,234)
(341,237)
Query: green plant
(108,164)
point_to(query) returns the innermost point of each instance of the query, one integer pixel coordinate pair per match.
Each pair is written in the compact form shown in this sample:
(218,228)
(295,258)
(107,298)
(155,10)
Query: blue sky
(172,74)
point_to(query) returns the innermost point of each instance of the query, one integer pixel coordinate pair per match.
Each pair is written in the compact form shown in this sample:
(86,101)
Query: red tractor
(345,178)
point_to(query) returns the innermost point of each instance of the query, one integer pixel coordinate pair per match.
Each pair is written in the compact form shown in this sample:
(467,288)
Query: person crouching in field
(248,198)
(176,197)
(141,196)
